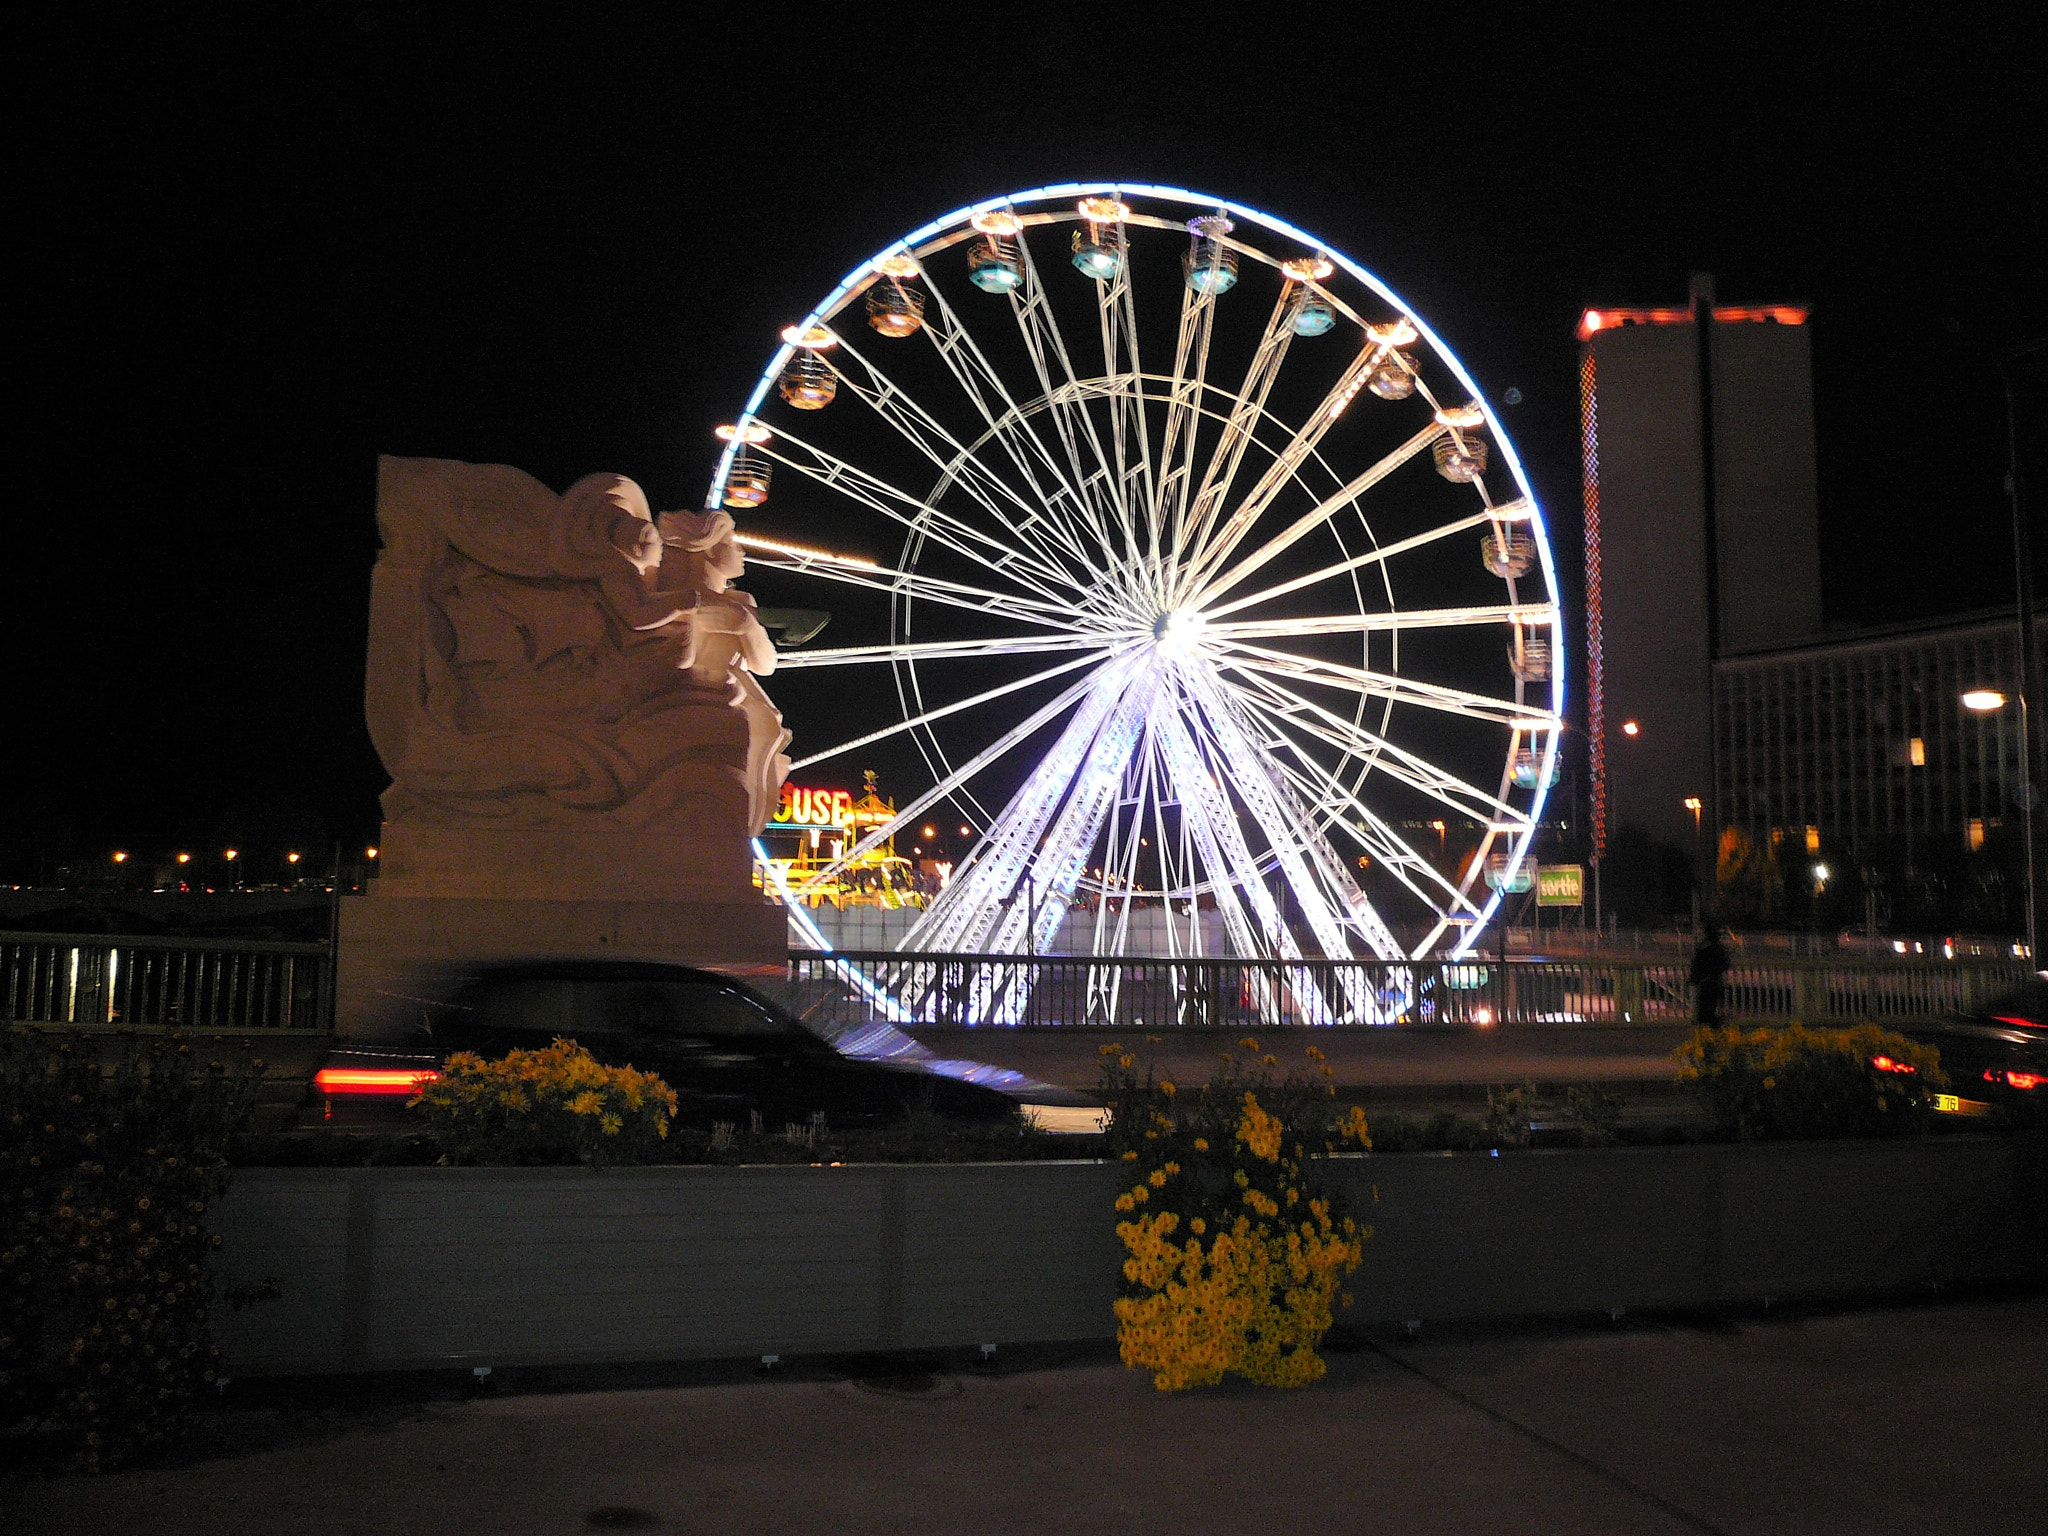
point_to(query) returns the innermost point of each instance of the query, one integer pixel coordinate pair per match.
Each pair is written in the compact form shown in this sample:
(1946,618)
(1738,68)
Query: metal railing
(162,984)
(847,990)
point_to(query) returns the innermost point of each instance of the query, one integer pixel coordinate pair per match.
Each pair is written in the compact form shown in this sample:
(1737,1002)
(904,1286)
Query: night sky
(257,246)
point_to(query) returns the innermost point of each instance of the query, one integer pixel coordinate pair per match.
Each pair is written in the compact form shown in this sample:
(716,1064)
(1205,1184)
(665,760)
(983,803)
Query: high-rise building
(1702,538)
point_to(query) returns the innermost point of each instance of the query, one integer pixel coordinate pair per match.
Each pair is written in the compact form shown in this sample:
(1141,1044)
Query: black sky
(260,245)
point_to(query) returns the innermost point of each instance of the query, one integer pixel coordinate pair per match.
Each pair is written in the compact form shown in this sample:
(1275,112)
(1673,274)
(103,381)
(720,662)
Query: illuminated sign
(1561,885)
(830,809)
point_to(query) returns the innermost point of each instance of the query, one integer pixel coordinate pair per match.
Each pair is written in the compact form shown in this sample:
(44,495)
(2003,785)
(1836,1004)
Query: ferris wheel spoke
(1216,547)
(1237,436)
(1183,412)
(1237,762)
(994,752)
(1525,614)
(1333,730)
(1321,513)
(977,905)
(918,515)
(1220,844)
(1385,685)
(1128,432)
(1217,833)
(1065,401)
(1328,795)
(942,650)
(940,713)
(1423,880)
(1377,556)
(874,576)
(1011,427)
(1329,898)
(997,497)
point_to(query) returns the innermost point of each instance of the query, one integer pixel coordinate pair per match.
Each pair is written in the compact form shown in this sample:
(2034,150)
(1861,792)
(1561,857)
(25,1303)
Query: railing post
(1810,995)
(1628,993)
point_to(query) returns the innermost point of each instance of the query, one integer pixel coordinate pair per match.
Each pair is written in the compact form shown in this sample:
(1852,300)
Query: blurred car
(727,1051)
(1997,1056)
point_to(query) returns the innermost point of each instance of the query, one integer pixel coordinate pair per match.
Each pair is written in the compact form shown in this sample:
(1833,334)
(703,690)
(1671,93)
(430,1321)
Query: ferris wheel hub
(1178,631)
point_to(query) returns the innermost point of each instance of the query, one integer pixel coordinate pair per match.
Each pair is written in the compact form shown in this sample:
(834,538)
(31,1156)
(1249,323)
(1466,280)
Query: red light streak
(1886,1064)
(373,1080)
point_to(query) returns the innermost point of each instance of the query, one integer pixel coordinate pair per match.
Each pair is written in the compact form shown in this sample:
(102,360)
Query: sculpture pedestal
(576,866)
(401,953)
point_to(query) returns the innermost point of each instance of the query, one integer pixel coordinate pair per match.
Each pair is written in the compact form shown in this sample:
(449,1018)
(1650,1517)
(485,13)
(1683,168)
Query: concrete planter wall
(398,1268)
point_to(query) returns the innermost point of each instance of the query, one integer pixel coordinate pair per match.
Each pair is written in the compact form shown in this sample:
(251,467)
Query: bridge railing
(162,983)
(845,990)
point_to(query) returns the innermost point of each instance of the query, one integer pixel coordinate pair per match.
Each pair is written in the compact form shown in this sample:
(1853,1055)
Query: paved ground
(1904,1420)
(1406,1059)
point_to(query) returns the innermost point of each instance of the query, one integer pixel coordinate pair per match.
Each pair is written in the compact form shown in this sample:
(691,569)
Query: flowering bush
(1798,1082)
(1236,1252)
(105,1262)
(556,1105)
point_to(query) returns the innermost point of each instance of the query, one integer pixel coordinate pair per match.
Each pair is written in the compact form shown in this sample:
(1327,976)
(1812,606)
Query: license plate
(1950,1104)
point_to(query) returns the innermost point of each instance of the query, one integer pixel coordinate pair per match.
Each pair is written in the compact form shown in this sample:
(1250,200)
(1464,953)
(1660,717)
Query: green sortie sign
(1561,885)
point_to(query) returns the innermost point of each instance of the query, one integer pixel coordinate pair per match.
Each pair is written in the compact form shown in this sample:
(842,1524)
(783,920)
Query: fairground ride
(1211,633)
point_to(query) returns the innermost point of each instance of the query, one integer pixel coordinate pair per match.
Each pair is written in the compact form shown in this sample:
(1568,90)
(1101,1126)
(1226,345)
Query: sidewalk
(1907,1420)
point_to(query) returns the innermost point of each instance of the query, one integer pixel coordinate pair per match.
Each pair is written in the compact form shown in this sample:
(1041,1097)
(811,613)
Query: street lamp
(1989,701)
(231,854)
(1692,803)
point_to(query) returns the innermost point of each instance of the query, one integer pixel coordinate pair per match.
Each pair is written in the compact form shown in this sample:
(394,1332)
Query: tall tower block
(1702,537)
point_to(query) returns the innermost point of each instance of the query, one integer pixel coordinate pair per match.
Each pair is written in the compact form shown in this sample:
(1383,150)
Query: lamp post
(2030,672)
(1989,701)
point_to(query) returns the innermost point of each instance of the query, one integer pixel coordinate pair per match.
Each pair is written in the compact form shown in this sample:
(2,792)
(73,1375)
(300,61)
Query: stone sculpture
(565,691)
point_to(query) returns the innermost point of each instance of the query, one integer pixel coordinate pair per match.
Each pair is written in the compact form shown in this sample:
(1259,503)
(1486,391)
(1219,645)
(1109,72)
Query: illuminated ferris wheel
(1244,640)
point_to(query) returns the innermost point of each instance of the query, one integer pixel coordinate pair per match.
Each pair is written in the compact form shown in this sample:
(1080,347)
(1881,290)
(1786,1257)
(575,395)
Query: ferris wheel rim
(1550,726)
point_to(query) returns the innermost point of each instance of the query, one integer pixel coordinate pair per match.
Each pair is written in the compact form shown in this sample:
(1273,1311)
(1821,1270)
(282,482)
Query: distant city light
(120,858)
(184,858)
(1983,700)
(291,858)
(1630,728)
(369,853)
(931,832)
(230,854)
(967,831)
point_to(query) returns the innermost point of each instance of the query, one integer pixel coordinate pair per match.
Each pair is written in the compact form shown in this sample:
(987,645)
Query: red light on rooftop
(1886,1064)
(1595,320)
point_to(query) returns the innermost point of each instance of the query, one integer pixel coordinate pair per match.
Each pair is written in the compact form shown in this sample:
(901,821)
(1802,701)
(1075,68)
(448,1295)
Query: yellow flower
(1156,1178)
(1201,1144)
(1130,1157)
(611,1125)
(1173,1168)
(1126,1059)
(1125,1202)
(1198,1226)
(1166,1088)
(1248,1043)
(1314,1054)
(586,1103)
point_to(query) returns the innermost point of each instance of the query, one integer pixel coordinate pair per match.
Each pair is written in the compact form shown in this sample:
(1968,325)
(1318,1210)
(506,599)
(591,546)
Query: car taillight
(373,1080)
(2026,1082)
(1886,1064)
